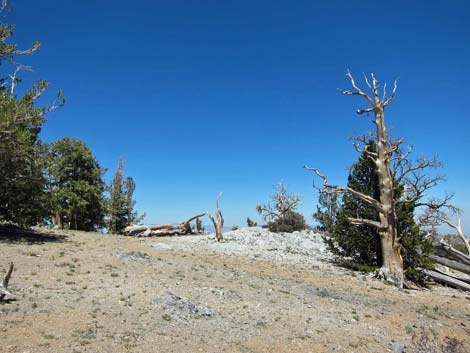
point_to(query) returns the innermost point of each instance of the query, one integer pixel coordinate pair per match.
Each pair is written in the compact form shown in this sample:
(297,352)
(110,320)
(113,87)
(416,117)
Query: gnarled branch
(4,285)
(341,190)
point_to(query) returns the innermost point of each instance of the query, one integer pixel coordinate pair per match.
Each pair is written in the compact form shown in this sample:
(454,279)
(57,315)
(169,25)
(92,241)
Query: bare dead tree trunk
(4,285)
(163,229)
(392,266)
(218,221)
(282,204)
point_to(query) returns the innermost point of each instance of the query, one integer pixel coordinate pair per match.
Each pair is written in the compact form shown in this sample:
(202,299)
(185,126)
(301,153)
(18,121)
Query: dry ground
(88,292)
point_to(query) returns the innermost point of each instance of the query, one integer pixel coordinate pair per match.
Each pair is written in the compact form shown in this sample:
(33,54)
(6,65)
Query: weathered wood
(132,230)
(460,276)
(4,285)
(443,249)
(451,282)
(450,263)
(163,229)
(218,221)
(458,228)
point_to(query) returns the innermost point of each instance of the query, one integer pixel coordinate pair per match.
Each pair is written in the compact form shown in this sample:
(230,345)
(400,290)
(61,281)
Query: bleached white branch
(342,190)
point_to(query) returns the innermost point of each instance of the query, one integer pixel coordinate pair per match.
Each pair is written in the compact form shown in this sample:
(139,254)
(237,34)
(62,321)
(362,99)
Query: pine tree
(121,211)
(22,181)
(327,212)
(117,202)
(361,244)
(75,187)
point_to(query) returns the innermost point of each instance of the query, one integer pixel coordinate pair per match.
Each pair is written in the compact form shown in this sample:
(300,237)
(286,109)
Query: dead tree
(218,221)
(398,175)
(4,285)
(283,203)
(163,229)
(199,227)
(458,228)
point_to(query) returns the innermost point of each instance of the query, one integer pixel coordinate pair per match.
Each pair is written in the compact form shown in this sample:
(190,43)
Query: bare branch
(368,222)
(421,163)
(362,111)
(3,5)
(390,99)
(4,285)
(357,91)
(458,228)
(337,189)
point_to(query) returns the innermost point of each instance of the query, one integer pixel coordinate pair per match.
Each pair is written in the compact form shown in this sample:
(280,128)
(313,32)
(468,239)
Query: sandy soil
(88,292)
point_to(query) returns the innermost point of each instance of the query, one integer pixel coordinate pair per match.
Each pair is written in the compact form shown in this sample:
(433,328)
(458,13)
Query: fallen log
(445,271)
(163,229)
(4,285)
(455,265)
(448,280)
(443,249)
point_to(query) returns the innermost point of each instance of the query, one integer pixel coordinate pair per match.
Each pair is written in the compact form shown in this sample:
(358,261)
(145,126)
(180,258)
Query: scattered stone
(305,247)
(180,309)
(397,347)
(132,256)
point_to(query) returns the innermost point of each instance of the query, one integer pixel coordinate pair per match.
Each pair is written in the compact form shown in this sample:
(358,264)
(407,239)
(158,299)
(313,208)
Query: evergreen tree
(121,211)
(21,163)
(291,221)
(327,212)
(361,244)
(117,201)
(75,188)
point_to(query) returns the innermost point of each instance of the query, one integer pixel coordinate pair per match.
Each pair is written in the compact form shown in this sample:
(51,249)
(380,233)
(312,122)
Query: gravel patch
(180,309)
(131,256)
(305,247)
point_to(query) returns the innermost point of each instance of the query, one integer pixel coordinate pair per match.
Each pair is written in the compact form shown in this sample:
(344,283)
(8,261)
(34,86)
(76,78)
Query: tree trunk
(218,221)
(392,262)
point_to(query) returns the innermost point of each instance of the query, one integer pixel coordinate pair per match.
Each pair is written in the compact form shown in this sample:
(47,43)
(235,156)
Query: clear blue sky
(233,96)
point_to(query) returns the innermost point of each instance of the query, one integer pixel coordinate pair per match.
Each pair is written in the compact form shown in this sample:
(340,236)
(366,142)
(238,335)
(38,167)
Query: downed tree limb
(451,264)
(448,280)
(445,250)
(458,228)
(163,229)
(460,277)
(4,285)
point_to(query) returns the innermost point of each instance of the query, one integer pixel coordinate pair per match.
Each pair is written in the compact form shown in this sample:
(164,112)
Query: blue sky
(233,96)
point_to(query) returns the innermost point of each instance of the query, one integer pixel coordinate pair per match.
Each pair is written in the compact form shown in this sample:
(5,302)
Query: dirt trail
(90,292)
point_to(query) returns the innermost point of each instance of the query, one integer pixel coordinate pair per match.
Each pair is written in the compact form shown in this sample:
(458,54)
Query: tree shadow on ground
(14,234)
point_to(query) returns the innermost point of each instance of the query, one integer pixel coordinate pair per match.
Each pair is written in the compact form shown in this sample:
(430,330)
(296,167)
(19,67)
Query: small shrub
(234,227)
(291,222)
(251,223)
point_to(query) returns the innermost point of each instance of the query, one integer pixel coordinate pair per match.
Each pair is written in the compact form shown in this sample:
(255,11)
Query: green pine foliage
(121,203)
(291,222)
(22,198)
(75,188)
(359,246)
(327,212)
